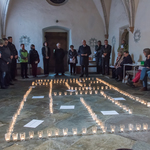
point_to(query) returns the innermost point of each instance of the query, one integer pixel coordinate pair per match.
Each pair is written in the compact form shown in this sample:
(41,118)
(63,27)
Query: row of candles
(125,108)
(137,99)
(64,132)
(51,98)
(14,118)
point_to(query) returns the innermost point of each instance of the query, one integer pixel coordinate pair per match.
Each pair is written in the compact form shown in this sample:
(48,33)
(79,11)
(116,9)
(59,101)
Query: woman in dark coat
(46,57)
(34,60)
(59,55)
(72,59)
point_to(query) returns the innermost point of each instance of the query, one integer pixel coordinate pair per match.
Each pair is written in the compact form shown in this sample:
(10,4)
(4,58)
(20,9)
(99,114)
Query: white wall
(117,20)
(29,17)
(142,22)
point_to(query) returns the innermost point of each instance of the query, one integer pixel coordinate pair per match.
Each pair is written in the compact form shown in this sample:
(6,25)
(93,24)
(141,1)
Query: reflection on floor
(81,123)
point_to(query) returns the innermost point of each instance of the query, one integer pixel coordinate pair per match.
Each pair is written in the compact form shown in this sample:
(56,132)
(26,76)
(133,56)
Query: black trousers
(8,77)
(72,68)
(99,65)
(105,66)
(119,72)
(46,66)
(13,69)
(84,70)
(113,72)
(2,79)
(24,67)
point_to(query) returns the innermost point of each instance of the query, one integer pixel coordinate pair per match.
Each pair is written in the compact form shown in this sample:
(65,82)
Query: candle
(97,87)
(112,128)
(76,93)
(145,126)
(122,127)
(130,111)
(96,92)
(76,88)
(102,88)
(40,134)
(57,132)
(106,87)
(15,136)
(130,126)
(65,131)
(93,88)
(138,127)
(49,133)
(86,92)
(22,136)
(79,88)
(65,93)
(148,104)
(70,93)
(74,130)
(90,92)
(60,93)
(82,88)
(7,137)
(55,93)
(94,129)
(104,129)
(84,130)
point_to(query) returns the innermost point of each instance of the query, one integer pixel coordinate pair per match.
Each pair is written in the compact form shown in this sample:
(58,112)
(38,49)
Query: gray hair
(58,44)
(1,41)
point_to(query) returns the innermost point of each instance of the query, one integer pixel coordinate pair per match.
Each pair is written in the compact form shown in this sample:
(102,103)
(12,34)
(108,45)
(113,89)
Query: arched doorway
(54,35)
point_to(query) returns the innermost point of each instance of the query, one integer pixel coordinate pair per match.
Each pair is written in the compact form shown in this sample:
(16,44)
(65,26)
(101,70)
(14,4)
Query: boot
(143,89)
(138,84)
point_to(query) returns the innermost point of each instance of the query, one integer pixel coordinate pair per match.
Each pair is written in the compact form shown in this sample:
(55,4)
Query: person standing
(123,47)
(34,60)
(59,55)
(23,61)
(84,52)
(72,59)
(3,65)
(106,51)
(46,57)
(14,52)
(98,55)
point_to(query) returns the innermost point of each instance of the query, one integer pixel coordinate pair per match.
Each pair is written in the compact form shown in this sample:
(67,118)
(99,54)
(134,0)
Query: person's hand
(0,55)
(7,63)
(148,56)
(47,57)
(11,57)
(82,54)
(86,54)
(16,56)
(105,54)
(73,58)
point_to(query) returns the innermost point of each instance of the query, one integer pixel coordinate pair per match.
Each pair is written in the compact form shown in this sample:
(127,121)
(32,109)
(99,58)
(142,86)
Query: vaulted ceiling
(103,6)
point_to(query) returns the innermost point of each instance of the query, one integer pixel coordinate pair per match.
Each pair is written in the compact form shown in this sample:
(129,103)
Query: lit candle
(60,93)
(40,134)
(76,88)
(15,136)
(49,133)
(148,104)
(112,128)
(145,126)
(55,93)
(96,92)
(106,87)
(130,111)
(97,87)
(93,88)
(94,129)
(65,131)
(57,132)
(130,126)
(122,127)
(76,93)
(90,92)
(74,130)
(84,130)
(7,137)
(86,92)
(22,136)
(138,127)
(65,93)
(104,129)
(80,92)
(70,93)
(102,88)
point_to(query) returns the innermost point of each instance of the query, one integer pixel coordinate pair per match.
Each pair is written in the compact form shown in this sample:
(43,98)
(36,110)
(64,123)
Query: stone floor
(78,118)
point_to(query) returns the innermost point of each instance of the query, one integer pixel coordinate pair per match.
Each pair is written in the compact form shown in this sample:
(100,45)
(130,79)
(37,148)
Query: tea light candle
(40,134)
(79,88)
(15,136)
(49,133)
(70,93)
(122,127)
(94,129)
(112,128)
(106,87)
(80,92)
(65,131)
(65,93)
(96,92)
(32,83)
(130,111)
(55,93)
(84,130)
(90,92)
(102,88)
(104,129)
(57,132)
(97,87)
(86,92)
(22,136)
(74,130)
(130,126)
(148,104)
(93,88)
(7,137)
(138,127)
(145,126)
(76,93)
(60,93)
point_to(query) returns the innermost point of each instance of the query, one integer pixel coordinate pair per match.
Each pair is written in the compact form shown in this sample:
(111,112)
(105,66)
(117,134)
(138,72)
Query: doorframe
(69,39)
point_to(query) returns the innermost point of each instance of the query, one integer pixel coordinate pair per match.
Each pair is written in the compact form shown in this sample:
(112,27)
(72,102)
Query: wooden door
(53,38)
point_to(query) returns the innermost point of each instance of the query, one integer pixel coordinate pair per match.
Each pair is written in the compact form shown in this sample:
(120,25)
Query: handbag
(72,60)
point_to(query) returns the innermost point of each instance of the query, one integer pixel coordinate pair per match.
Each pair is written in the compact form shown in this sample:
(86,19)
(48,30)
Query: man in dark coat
(59,55)
(3,64)
(84,52)
(98,56)
(46,57)
(14,53)
(126,60)
(106,57)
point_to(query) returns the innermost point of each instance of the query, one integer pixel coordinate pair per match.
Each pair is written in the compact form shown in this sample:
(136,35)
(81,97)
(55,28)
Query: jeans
(143,77)
(3,75)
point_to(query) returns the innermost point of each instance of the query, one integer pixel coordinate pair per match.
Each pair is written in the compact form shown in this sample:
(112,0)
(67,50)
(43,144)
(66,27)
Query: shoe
(26,77)
(143,89)
(129,83)
(138,84)
(11,83)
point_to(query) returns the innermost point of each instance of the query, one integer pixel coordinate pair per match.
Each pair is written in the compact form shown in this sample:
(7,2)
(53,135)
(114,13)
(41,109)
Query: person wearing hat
(34,60)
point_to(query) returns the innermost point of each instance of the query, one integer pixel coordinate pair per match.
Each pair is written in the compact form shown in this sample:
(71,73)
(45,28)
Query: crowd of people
(9,56)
